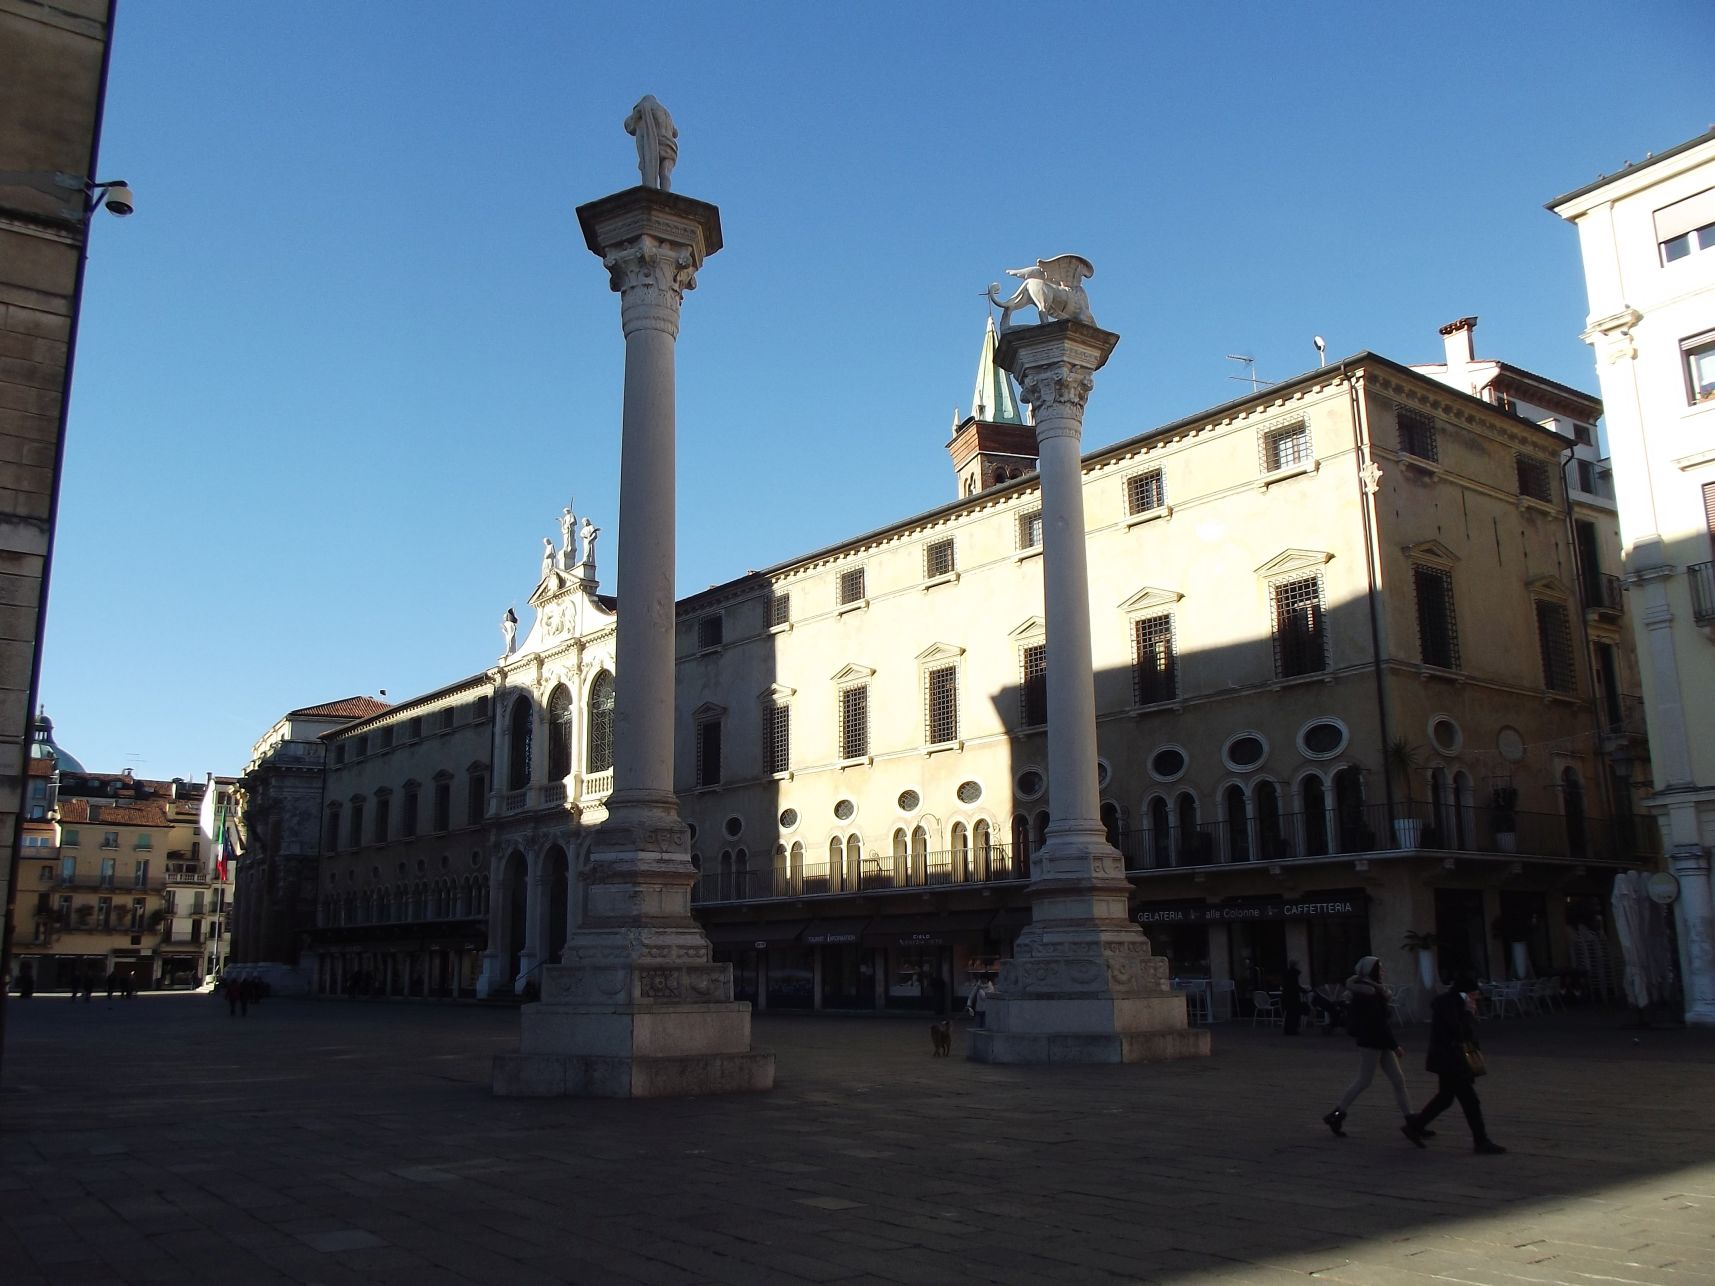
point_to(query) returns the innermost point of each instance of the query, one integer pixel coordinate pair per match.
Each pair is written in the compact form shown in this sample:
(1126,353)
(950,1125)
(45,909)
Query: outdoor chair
(1265,1008)
(1505,995)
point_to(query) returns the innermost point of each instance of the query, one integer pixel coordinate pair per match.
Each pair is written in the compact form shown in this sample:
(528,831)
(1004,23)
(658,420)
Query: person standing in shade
(977,1004)
(1453,1031)
(1291,999)
(1367,1021)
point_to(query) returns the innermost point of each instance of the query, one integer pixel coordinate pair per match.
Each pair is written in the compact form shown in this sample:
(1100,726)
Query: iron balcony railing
(1603,592)
(728,882)
(1702,577)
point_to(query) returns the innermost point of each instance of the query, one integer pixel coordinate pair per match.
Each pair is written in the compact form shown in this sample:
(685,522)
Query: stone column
(535,919)
(637,1008)
(1695,916)
(1082,986)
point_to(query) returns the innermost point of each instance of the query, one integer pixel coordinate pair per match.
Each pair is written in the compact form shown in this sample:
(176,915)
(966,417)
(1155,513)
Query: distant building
(1647,234)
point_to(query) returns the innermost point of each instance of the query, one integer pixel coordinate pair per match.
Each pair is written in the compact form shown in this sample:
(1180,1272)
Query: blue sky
(338,375)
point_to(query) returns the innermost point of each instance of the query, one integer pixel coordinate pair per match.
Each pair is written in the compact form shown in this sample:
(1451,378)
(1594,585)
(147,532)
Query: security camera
(119,201)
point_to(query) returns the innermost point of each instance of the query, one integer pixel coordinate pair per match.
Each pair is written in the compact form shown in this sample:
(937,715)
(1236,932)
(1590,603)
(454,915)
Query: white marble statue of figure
(590,532)
(547,556)
(1052,288)
(568,524)
(509,630)
(657,142)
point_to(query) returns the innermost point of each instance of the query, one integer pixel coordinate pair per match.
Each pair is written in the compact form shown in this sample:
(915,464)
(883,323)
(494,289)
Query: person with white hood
(1366,1004)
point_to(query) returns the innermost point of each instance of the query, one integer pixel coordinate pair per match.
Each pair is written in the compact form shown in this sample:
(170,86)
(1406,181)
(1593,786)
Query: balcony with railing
(597,785)
(1702,578)
(972,867)
(1604,593)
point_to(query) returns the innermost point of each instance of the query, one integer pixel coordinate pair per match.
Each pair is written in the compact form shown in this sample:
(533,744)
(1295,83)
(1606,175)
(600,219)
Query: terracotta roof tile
(150,813)
(348,708)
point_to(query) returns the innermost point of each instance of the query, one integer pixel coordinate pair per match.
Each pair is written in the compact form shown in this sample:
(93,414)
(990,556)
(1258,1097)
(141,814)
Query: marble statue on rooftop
(589,532)
(1052,288)
(568,525)
(509,630)
(657,142)
(547,556)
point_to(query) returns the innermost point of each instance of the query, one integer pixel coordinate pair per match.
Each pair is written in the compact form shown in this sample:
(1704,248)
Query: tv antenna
(1250,374)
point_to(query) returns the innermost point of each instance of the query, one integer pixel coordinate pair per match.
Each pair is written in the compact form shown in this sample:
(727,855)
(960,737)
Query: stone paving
(160,1140)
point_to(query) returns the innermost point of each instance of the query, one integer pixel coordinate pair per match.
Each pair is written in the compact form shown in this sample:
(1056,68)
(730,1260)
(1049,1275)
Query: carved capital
(651,276)
(1058,390)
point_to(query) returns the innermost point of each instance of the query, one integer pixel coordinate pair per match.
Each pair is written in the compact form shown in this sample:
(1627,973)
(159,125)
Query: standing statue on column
(657,142)
(509,630)
(590,532)
(568,524)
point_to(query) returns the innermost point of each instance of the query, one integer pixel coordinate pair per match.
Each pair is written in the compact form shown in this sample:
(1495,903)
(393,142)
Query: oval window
(788,818)
(1445,735)
(845,810)
(1510,743)
(1245,751)
(1322,738)
(970,792)
(734,827)
(909,800)
(1167,763)
(1030,783)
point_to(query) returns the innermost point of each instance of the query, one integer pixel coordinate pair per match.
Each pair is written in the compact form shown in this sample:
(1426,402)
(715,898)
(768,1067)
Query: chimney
(1458,337)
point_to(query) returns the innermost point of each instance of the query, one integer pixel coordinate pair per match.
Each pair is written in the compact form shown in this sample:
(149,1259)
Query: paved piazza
(159,1140)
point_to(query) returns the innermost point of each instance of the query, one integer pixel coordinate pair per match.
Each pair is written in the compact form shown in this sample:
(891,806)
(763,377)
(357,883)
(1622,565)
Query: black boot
(1413,1131)
(1334,1120)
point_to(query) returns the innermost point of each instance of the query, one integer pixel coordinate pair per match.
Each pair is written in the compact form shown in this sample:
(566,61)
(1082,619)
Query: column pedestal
(1082,986)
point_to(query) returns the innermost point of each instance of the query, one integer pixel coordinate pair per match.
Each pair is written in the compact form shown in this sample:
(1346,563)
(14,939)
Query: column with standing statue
(636,1007)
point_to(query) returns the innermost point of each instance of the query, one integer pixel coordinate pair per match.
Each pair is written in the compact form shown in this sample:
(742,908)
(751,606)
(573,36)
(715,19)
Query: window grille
(447,719)
(1697,354)
(414,729)
(1417,434)
(1437,626)
(941,705)
(777,737)
(356,832)
(1533,479)
(1033,691)
(1144,492)
(383,811)
(1155,669)
(779,608)
(1030,529)
(1300,645)
(938,559)
(711,630)
(600,749)
(709,752)
(1554,640)
(851,586)
(443,806)
(1286,448)
(854,721)
(476,800)
(562,725)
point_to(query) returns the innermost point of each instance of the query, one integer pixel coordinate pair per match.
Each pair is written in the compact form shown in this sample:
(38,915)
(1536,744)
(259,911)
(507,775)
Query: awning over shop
(752,933)
(948,928)
(828,933)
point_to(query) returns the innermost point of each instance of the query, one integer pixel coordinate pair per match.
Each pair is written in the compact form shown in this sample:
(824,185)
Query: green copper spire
(993,401)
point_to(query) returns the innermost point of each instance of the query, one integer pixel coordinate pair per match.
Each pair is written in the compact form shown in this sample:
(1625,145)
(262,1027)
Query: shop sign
(1255,910)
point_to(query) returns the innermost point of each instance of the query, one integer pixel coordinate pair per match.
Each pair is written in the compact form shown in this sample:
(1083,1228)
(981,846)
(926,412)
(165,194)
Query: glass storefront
(848,977)
(1462,936)
(791,977)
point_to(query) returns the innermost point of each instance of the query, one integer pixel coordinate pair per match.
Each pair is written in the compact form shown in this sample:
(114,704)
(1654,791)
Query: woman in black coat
(1452,1030)
(1366,1019)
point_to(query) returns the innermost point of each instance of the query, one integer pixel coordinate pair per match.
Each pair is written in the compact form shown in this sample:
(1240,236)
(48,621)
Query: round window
(909,800)
(691,831)
(1030,783)
(476,859)
(1510,744)
(1245,751)
(845,810)
(1322,739)
(734,827)
(1167,763)
(969,792)
(1445,735)
(1104,772)
(788,818)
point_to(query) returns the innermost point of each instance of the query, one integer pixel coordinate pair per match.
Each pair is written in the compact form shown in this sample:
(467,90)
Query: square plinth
(589,1076)
(1086,1047)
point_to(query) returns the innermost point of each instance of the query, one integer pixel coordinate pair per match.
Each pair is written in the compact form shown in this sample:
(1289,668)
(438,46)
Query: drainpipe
(1360,444)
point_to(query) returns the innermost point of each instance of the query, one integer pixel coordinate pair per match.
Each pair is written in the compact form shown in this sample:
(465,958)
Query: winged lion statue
(1052,288)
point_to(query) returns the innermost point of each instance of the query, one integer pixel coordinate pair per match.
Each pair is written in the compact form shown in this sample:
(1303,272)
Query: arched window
(559,733)
(1315,808)
(919,855)
(1356,834)
(836,863)
(1440,810)
(1464,818)
(982,843)
(521,734)
(961,855)
(741,874)
(726,875)
(854,862)
(901,859)
(599,752)
(1111,821)
(1021,841)
(1193,846)
(1271,843)
(1160,832)
(797,867)
(1238,824)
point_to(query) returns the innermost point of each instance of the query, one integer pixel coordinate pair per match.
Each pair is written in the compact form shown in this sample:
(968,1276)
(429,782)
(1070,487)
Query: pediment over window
(443,775)
(1028,629)
(1548,586)
(853,673)
(1430,551)
(1149,597)
(776,692)
(708,710)
(1288,561)
(939,652)
(477,765)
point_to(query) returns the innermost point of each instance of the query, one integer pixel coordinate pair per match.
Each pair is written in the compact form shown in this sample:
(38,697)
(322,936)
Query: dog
(940,1039)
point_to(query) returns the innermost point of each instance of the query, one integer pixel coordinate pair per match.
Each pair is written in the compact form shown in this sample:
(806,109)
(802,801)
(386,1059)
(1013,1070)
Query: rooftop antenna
(1321,349)
(1250,371)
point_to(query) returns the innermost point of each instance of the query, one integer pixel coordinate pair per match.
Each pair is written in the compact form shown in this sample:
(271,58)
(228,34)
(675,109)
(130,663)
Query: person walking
(1291,999)
(977,1004)
(1452,1042)
(1366,1019)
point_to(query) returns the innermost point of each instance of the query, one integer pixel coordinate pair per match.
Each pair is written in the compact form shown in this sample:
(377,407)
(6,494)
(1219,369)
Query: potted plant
(1424,945)
(1403,760)
(1503,817)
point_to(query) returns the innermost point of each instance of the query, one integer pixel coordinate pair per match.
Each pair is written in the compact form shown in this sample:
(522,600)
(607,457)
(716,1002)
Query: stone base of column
(1082,986)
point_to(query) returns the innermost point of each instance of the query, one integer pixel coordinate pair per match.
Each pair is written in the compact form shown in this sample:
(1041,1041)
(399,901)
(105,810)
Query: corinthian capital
(651,277)
(1058,389)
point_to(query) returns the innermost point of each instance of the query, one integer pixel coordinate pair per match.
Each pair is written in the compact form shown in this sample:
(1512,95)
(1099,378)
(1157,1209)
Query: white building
(1647,235)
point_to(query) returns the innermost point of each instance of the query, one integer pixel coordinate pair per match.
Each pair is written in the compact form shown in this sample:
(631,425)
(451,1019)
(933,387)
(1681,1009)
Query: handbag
(1475,1063)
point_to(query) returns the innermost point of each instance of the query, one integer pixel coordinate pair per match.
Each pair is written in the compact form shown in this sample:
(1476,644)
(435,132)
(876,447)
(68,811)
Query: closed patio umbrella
(1631,922)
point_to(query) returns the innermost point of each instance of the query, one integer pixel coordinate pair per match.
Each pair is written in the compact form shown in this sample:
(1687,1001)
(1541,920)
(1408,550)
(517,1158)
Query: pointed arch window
(560,719)
(600,748)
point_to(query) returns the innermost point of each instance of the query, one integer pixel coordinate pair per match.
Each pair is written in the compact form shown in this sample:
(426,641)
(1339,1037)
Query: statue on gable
(590,532)
(1052,288)
(568,525)
(657,142)
(547,556)
(509,630)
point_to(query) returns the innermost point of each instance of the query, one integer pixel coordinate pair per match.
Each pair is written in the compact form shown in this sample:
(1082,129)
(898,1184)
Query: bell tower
(993,444)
